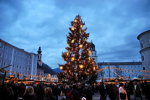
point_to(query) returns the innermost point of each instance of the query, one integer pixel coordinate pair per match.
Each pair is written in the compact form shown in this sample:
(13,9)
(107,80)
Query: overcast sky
(113,26)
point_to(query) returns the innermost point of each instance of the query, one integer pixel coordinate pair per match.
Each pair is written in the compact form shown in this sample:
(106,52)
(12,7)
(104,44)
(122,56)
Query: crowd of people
(124,91)
(117,91)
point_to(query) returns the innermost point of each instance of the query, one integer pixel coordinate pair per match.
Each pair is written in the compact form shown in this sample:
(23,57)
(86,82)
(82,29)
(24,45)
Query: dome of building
(39,50)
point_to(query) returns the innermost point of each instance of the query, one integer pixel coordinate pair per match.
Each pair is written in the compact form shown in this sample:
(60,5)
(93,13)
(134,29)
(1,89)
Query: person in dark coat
(39,92)
(129,88)
(29,93)
(111,92)
(116,91)
(88,92)
(68,93)
(146,89)
(102,91)
(137,91)
(75,93)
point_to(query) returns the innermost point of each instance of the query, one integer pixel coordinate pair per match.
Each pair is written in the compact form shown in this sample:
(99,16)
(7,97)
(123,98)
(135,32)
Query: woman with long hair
(48,94)
(29,93)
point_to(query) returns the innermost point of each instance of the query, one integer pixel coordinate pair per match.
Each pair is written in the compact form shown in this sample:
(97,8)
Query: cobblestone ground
(96,96)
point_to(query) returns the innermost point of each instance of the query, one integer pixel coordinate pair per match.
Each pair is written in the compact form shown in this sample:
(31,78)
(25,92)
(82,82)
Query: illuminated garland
(123,69)
(26,75)
(128,71)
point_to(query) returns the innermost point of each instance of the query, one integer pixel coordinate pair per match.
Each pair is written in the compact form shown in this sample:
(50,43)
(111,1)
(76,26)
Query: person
(75,93)
(129,89)
(111,92)
(29,93)
(39,91)
(122,92)
(102,91)
(68,93)
(21,90)
(137,91)
(62,95)
(48,94)
(7,93)
(87,92)
(116,90)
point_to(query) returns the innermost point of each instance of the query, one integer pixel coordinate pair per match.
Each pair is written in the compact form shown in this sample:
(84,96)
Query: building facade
(23,64)
(44,72)
(144,39)
(124,70)
(40,68)
(94,53)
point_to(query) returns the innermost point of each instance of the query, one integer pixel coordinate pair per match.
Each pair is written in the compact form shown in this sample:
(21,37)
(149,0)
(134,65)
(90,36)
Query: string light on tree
(90,52)
(94,68)
(72,41)
(72,59)
(61,67)
(72,28)
(81,26)
(80,46)
(81,66)
(75,20)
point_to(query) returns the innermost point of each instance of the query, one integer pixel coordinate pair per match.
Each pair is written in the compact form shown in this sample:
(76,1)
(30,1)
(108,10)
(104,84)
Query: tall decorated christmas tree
(79,66)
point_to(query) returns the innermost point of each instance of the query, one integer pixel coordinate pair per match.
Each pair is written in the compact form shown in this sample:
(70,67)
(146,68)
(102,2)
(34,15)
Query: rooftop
(146,32)
(22,50)
(120,63)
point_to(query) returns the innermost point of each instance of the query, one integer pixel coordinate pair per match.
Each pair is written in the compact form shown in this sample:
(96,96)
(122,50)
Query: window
(0,44)
(142,57)
(141,45)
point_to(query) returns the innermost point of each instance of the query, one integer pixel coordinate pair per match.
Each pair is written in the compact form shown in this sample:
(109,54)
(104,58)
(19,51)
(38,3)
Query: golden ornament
(67,54)
(72,58)
(72,28)
(89,58)
(61,67)
(81,66)
(80,46)
(90,52)
(75,20)
(72,41)
(94,68)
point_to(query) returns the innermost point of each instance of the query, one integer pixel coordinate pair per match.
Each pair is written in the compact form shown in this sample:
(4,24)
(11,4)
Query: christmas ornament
(80,46)
(75,20)
(72,59)
(81,26)
(81,66)
(72,28)
(72,41)
(61,67)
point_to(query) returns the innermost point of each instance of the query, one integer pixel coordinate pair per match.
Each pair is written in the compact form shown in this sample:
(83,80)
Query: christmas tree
(79,67)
